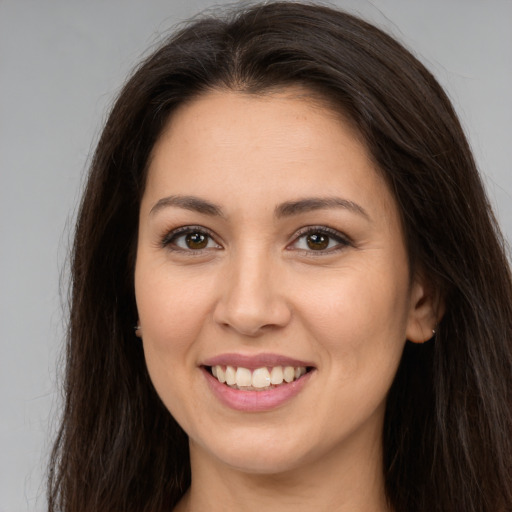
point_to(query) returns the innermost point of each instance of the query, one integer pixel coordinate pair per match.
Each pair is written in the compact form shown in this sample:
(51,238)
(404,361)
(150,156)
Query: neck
(346,479)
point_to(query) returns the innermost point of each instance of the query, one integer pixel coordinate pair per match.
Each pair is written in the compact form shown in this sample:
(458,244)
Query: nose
(253,297)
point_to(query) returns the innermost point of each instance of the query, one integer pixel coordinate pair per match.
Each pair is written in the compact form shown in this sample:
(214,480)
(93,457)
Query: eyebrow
(193,203)
(318,203)
(287,209)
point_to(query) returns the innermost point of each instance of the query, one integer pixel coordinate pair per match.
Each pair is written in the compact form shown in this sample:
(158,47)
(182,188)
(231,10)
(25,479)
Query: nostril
(251,311)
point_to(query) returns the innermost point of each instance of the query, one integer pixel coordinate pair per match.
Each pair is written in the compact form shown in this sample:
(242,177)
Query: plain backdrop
(61,63)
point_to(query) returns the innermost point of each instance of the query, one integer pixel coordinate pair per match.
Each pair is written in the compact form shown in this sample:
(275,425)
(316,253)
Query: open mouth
(258,379)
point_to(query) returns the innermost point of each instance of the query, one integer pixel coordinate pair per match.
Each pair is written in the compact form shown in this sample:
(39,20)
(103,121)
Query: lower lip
(255,401)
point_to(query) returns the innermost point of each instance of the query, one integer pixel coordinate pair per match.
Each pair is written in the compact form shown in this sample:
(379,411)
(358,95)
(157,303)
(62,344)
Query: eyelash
(169,240)
(342,241)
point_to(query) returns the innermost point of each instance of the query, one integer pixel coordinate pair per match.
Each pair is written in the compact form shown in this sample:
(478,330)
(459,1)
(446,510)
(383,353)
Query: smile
(258,379)
(256,382)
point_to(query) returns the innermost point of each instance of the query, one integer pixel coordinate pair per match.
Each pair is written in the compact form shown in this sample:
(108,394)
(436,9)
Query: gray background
(61,63)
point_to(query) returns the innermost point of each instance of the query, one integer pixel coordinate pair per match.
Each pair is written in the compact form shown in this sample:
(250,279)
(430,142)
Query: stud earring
(138,331)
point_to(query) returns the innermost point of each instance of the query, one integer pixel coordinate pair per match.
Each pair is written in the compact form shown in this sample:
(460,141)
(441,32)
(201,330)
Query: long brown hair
(447,436)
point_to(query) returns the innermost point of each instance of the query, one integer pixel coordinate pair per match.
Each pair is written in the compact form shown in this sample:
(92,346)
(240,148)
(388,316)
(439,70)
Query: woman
(284,205)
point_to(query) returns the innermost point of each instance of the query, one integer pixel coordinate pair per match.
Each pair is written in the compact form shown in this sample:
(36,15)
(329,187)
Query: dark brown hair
(447,436)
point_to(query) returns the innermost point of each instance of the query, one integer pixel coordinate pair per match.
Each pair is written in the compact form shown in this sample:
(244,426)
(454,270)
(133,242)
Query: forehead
(286,117)
(225,143)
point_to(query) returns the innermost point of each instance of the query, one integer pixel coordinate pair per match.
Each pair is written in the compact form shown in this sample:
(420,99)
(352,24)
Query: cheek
(172,308)
(172,313)
(358,318)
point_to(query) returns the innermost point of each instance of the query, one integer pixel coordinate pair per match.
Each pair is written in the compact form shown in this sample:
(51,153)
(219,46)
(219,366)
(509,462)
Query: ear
(138,329)
(426,310)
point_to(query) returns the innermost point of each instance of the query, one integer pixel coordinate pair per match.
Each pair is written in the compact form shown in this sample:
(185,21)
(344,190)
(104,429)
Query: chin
(257,454)
(261,462)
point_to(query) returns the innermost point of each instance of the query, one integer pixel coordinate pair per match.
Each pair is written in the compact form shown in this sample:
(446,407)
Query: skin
(258,287)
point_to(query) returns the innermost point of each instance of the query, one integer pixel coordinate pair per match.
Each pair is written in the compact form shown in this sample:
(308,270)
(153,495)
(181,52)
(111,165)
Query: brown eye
(321,240)
(317,241)
(191,239)
(196,240)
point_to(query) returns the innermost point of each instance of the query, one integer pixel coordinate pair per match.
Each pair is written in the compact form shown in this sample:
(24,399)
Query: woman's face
(270,250)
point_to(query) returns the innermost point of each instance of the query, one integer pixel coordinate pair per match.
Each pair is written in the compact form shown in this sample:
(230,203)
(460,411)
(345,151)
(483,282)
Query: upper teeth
(258,378)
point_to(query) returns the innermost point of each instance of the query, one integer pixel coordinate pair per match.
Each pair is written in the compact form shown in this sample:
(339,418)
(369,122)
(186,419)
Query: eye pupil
(317,241)
(196,240)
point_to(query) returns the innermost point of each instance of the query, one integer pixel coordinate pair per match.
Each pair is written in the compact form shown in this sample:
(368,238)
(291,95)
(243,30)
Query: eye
(189,238)
(320,239)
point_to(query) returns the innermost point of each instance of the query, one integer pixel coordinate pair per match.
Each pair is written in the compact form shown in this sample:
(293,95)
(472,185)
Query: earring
(138,331)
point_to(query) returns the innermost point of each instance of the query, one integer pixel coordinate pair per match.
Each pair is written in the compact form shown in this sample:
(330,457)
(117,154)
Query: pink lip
(252,362)
(255,401)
